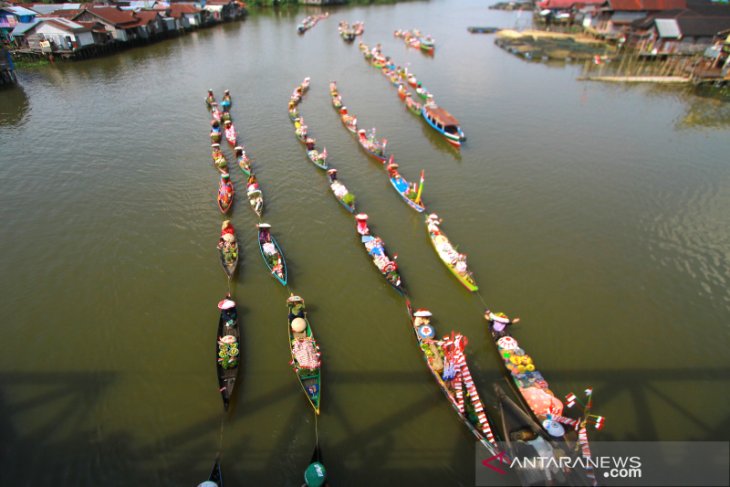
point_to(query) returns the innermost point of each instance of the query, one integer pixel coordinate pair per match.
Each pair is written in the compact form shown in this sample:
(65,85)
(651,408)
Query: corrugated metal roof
(668,28)
(19,10)
(647,4)
(21,28)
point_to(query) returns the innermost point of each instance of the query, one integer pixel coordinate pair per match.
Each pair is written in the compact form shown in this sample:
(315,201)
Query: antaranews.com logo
(611,463)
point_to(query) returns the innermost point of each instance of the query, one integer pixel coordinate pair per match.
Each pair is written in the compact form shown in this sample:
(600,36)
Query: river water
(593,212)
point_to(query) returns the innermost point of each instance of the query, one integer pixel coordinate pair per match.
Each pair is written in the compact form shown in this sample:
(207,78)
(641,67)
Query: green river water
(594,212)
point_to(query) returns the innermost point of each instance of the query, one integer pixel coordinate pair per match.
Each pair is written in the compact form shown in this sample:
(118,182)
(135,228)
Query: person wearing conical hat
(498,323)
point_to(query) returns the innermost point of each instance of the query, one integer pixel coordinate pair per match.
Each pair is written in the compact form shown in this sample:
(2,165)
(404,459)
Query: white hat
(298,325)
(263,225)
(422,313)
(238,147)
(361,216)
(226,304)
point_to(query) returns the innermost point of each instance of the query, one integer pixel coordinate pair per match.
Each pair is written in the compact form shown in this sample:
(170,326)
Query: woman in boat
(226,189)
(227,242)
(498,323)
(309,142)
(215,126)
(219,159)
(332,175)
(252,184)
(210,99)
(226,101)
(264,234)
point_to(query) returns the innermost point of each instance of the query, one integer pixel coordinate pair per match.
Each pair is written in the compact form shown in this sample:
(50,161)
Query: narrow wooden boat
(444,123)
(483,30)
(422,92)
(411,193)
(228,249)
(446,361)
(412,105)
(254,195)
(209,99)
(402,91)
(427,44)
(453,260)
(227,350)
(244,162)
(315,474)
(216,475)
(319,159)
(375,148)
(215,112)
(346,198)
(231,135)
(219,158)
(305,356)
(534,391)
(376,250)
(524,438)
(271,253)
(412,80)
(349,121)
(305,84)
(225,193)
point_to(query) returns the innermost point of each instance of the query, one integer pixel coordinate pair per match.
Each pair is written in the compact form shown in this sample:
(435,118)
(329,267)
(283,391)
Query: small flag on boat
(420,187)
(589,391)
(599,421)
(324,153)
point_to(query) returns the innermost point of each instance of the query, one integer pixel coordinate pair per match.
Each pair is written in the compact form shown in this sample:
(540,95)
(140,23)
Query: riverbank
(552,46)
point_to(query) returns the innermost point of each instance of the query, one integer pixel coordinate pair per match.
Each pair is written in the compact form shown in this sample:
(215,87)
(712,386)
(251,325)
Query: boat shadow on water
(439,142)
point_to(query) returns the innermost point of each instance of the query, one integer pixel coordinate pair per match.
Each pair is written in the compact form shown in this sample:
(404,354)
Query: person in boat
(296,309)
(219,159)
(264,234)
(240,153)
(332,175)
(227,242)
(226,189)
(252,184)
(498,323)
(226,102)
(215,126)
(210,98)
(309,142)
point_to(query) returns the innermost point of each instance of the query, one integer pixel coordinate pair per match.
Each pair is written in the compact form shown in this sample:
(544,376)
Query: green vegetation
(28,64)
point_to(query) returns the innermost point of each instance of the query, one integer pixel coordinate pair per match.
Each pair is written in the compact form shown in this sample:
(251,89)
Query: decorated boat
(218,157)
(230,132)
(335,95)
(271,253)
(305,84)
(209,99)
(227,352)
(371,145)
(305,356)
(410,192)
(346,31)
(254,195)
(446,361)
(444,123)
(226,101)
(318,158)
(215,479)
(422,92)
(411,79)
(228,248)
(524,438)
(225,193)
(359,28)
(455,261)
(402,91)
(346,198)
(412,105)
(349,121)
(376,250)
(427,44)
(215,131)
(215,111)
(534,391)
(244,162)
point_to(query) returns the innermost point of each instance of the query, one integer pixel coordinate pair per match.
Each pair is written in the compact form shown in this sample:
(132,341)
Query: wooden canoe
(305,356)
(227,350)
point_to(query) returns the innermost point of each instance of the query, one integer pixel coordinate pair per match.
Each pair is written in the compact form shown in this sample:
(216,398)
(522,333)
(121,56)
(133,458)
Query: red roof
(568,4)
(65,13)
(180,9)
(146,16)
(639,5)
(442,116)
(93,26)
(115,16)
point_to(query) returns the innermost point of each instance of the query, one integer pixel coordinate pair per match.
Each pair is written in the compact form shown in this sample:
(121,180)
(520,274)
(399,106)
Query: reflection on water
(14,105)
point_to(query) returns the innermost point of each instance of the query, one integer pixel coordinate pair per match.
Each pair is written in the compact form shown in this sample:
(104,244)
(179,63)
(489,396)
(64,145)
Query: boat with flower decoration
(342,194)
(305,355)
(271,253)
(228,353)
(410,192)
(446,360)
(376,250)
(538,399)
(455,261)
